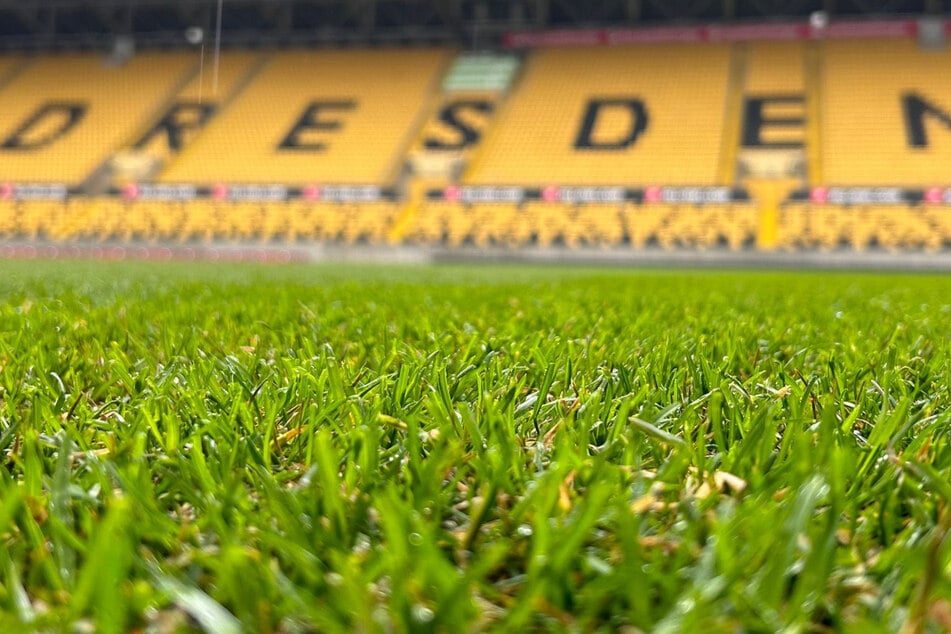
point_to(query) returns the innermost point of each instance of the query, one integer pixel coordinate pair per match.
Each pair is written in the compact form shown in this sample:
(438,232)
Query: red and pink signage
(773,31)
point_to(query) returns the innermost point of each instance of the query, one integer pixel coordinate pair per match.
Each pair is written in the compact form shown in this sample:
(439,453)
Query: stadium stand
(875,95)
(317,116)
(606,145)
(576,108)
(195,105)
(64,115)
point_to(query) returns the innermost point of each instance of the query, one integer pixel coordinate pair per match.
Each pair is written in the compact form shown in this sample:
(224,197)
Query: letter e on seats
(763,127)
(319,117)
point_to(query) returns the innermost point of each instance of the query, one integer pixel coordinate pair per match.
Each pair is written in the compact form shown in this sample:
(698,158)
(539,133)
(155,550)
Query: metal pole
(201,73)
(214,80)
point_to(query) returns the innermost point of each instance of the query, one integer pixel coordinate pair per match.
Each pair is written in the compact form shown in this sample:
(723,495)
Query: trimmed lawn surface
(310,449)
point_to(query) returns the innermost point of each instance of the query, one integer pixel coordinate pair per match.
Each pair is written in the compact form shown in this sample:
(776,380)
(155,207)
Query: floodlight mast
(195,36)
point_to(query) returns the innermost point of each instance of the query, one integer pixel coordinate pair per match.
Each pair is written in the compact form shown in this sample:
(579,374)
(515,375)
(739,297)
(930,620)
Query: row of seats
(596,225)
(533,223)
(892,227)
(105,220)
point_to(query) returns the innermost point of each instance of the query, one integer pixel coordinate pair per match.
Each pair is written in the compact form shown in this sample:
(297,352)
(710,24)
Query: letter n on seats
(916,108)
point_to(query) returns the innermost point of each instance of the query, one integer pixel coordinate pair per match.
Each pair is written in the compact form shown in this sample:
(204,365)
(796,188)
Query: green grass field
(299,449)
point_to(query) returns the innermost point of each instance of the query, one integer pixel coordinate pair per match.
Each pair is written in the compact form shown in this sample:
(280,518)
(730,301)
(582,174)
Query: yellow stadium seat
(774,68)
(552,222)
(455,222)
(273,223)
(327,220)
(9,219)
(431,224)
(939,219)
(490,223)
(367,222)
(642,222)
(742,225)
(792,224)
(297,221)
(600,224)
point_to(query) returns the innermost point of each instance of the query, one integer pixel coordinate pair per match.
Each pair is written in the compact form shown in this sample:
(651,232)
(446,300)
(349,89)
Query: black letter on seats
(755,119)
(585,139)
(181,118)
(915,109)
(467,134)
(71,114)
(310,120)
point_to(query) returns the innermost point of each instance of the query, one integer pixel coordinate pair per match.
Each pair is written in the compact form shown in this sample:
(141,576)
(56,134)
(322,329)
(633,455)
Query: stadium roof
(95,23)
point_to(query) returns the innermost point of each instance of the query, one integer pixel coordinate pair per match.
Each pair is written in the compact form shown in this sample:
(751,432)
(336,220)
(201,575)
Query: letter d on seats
(51,122)
(638,116)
